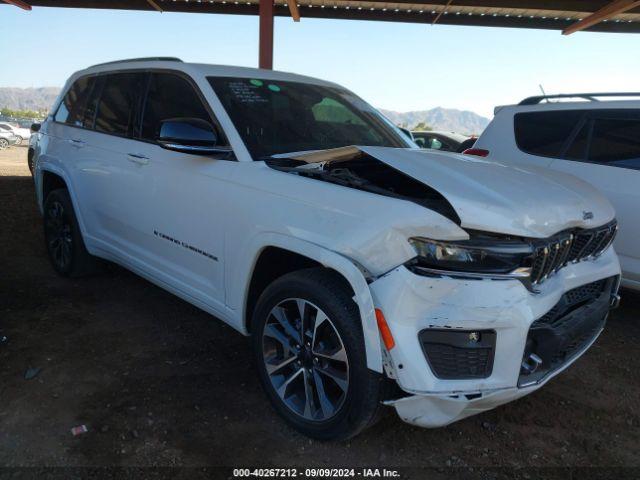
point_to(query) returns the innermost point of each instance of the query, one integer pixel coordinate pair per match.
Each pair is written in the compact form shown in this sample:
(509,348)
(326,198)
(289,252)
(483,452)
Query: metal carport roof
(568,16)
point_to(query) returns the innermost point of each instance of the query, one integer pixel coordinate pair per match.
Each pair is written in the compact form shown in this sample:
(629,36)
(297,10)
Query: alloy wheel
(4,143)
(305,359)
(59,235)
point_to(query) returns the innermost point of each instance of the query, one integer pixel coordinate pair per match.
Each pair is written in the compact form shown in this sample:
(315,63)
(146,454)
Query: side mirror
(35,127)
(407,132)
(189,135)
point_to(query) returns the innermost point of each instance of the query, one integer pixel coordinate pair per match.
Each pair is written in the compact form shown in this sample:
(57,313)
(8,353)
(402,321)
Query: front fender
(238,280)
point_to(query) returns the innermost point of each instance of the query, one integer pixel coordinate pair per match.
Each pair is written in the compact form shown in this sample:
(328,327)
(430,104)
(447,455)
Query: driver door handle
(76,143)
(138,158)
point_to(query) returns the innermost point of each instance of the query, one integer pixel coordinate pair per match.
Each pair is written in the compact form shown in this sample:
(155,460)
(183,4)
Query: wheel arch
(302,254)
(51,181)
(49,177)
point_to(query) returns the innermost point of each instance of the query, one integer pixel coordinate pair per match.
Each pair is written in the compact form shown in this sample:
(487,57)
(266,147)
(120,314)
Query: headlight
(479,255)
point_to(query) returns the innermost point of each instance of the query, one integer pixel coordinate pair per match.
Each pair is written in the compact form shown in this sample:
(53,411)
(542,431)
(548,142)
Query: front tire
(18,140)
(65,246)
(309,350)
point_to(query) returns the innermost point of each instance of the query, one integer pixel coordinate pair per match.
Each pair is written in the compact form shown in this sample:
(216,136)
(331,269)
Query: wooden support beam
(293,9)
(19,4)
(446,7)
(614,8)
(265,55)
(154,5)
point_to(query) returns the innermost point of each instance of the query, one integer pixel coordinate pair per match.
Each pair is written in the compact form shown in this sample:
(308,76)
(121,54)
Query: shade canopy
(595,15)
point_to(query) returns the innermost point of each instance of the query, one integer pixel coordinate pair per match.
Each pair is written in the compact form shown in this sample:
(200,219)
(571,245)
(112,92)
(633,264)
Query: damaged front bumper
(449,383)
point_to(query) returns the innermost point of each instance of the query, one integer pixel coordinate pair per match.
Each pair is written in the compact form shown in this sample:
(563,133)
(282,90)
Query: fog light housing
(459,354)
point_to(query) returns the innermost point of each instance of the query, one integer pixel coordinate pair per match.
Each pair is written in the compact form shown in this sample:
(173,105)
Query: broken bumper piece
(464,346)
(432,411)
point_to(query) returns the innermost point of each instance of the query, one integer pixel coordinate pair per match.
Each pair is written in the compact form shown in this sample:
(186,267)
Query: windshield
(274,117)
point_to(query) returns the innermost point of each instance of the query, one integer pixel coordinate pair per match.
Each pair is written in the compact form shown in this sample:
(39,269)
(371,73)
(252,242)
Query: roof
(633,104)
(592,97)
(200,69)
(612,16)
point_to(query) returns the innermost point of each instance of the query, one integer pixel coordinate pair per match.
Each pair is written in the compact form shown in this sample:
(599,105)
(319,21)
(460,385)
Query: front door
(180,198)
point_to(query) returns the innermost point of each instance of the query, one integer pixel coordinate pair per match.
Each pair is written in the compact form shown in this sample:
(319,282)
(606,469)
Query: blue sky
(392,65)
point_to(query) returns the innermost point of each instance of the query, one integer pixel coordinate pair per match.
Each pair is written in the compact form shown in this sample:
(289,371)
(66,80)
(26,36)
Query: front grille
(555,253)
(459,354)
(566,329)
(571,300)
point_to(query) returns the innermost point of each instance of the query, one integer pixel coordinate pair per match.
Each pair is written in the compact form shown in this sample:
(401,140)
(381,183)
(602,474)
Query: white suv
(292,210)
(596,139)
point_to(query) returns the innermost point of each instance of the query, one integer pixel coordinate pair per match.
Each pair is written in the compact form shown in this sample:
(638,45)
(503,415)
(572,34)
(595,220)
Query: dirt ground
(160,383)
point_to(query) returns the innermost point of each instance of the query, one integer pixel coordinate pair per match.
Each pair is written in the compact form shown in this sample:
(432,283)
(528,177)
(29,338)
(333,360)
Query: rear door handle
(138,158)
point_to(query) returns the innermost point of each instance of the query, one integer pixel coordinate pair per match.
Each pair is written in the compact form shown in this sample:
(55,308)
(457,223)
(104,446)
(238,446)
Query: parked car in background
(20,132)
(354,260)
(7,139)
(444,141)
(597,141)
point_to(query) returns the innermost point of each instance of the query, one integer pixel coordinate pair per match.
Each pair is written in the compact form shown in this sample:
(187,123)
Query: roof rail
(586,96)
(143,59)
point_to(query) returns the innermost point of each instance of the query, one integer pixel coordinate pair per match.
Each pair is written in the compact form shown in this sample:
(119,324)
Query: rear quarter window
(616,141)
(545,133)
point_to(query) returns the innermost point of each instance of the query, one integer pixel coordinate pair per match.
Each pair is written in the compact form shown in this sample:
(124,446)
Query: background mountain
(36,99)
(447,119)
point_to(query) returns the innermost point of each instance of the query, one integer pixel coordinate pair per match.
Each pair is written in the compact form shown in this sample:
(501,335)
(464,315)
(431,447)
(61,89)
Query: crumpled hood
(488,196)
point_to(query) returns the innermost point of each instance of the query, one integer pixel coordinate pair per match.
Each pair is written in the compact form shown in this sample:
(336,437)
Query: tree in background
(422,127)
(7,112)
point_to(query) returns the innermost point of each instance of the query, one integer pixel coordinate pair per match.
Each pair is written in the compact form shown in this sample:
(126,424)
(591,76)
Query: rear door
(67,135)
(605,151)
(107,184)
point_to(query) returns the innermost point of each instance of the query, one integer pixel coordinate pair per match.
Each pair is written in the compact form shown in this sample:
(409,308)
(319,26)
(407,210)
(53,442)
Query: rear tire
(4,143)
(30,164)
(309,351)
(63,239)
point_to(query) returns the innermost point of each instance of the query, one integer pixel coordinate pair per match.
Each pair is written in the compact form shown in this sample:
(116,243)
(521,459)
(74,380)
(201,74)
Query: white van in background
(593,136)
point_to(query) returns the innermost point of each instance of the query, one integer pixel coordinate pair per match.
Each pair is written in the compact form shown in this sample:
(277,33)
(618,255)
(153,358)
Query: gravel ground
(158,382)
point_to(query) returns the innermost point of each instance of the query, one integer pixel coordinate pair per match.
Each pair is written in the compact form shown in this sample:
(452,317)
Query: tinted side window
(170,96)
(545,133)
(71,109)
(118,105)
(616,142)
(92,102)
(578,148)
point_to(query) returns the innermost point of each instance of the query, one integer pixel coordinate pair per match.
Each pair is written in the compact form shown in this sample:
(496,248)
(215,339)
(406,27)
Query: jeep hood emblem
(587,215)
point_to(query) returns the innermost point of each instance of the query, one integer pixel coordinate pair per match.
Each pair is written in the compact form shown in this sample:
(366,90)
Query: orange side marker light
(387,338)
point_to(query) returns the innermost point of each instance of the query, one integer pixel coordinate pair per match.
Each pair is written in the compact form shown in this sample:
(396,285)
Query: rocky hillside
(447,119)
(36,99)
